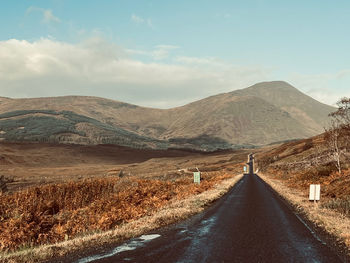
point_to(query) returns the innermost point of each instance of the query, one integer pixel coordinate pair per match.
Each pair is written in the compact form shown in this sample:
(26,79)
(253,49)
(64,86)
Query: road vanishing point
(251,223)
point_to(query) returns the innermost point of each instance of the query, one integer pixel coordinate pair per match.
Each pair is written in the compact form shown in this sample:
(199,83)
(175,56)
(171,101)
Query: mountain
(301,107)
(261,114)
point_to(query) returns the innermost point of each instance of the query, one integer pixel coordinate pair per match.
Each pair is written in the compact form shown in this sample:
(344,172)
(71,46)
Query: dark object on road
(250,164)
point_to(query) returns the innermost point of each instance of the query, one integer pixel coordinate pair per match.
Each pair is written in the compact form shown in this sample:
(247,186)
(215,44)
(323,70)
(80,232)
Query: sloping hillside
(261,114)
(238,120)
(306,110)
(305,162)
(67,127)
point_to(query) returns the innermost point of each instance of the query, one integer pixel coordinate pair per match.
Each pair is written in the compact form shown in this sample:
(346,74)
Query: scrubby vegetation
(68,127)
(3,184)
(4,181)
(339,204)
(56,212)
(324,159)
(202,142)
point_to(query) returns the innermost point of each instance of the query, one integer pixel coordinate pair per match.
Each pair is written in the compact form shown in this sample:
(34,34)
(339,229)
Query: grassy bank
(331,220)
(49,221)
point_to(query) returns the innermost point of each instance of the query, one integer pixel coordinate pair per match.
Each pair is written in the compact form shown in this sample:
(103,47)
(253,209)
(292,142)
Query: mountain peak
(271,91)
(277,84)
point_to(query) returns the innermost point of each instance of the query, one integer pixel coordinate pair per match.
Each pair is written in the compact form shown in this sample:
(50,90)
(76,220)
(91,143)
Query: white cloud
(140,20)
(343,74)
(137,19)
(95,67)
(48,16)
(203,62)
(160,52)
(195,60)
(327,88)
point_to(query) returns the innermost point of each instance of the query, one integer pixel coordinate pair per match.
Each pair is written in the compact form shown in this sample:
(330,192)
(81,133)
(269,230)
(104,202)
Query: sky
(166,53)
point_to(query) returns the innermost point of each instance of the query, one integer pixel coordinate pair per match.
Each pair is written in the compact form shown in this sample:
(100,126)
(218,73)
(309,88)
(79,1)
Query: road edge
(176,211)
(315,218)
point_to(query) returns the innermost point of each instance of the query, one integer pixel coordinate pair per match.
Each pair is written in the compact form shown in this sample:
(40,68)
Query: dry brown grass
(341,205)
(51,213)
(306,162)
(70,203)
(189,200)
(38,164)
(333,222)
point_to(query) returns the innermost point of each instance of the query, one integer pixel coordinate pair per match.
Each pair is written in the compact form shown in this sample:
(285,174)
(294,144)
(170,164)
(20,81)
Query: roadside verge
(333,224)
(174,211)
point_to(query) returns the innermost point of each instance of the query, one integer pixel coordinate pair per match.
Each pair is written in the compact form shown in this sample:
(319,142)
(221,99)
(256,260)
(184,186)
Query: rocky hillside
(261,114)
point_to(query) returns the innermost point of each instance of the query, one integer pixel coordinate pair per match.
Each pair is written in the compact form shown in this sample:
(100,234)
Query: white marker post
(197,177)
(315,192)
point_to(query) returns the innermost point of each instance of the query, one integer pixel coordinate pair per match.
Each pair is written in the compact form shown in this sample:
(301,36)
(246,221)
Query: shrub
(51,213)
(3,184)
(341,205)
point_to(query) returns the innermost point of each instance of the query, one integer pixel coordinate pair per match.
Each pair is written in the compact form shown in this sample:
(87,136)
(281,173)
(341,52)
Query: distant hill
(68,127)
(306,110)
(261,114)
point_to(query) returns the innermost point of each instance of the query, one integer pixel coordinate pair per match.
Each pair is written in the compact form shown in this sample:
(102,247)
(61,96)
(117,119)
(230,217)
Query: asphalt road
(249,224)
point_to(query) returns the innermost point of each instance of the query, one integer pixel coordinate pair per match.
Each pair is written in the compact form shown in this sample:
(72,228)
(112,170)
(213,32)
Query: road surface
(249,224)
